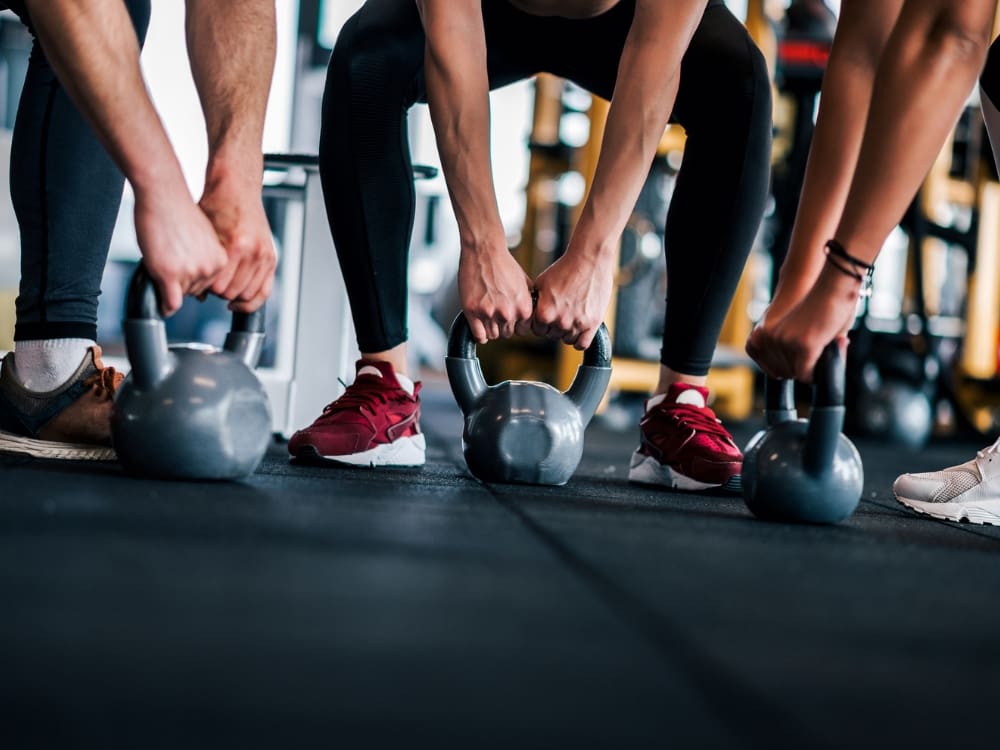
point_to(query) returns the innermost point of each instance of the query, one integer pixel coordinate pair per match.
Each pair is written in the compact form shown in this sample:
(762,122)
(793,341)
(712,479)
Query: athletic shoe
(683,445)
(968,492)
(71,422)
(374,423)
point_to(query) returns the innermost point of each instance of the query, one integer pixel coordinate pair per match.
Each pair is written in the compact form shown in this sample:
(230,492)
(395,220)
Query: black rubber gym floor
(325,607)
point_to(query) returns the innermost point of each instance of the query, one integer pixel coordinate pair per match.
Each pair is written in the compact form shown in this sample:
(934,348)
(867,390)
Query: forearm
(634,127)
(927,72)
(862,32)
(93,49)
(231,45)
(645,92)
(458,96)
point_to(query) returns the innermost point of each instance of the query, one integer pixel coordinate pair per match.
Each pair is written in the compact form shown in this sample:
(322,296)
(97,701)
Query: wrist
(239,166)
(159,185)
(594,239)
(485,241)
(833,281)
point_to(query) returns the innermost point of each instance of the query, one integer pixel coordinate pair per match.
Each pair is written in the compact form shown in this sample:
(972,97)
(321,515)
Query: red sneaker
(683,444)
(374,423)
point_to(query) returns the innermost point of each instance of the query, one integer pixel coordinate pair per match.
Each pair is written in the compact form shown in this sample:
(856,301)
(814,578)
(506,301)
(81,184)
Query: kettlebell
(188,412)
(802,470)
(521,431)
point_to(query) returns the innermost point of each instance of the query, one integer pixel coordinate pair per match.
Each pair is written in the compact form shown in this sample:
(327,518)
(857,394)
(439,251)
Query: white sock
(42,365)
(405,383)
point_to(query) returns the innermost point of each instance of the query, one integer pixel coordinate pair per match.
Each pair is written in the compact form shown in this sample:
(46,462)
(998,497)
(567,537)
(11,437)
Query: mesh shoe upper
(77,412)
(374,410)
(682,432)
(976,479)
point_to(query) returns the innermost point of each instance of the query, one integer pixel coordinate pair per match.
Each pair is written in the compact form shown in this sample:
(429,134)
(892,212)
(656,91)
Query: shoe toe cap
(327,443)
(917,486)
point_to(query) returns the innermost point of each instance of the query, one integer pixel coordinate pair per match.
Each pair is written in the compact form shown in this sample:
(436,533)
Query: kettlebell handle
(828,387)
(826,415)
(146,338)
(468,383)
(779,401)
(461,345)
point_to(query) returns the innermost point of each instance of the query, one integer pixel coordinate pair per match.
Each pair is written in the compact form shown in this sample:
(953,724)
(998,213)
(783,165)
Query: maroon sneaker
(683,444)
(374,423)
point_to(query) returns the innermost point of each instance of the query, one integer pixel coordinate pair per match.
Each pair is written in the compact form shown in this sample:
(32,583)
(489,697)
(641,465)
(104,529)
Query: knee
(363,50)
(960,32)
(729,84)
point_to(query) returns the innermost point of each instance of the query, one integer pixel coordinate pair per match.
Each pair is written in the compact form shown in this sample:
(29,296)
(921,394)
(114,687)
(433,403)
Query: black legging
(376,74)
(66,191)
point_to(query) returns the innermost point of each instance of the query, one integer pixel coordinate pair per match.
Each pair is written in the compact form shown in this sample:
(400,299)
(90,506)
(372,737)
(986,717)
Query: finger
(263,278)
(556,332)
(477,330)
(492,330)
(173,298)
(247,306)
(523,327)
(240,286)
(584,340)
(507,330)
(221,279)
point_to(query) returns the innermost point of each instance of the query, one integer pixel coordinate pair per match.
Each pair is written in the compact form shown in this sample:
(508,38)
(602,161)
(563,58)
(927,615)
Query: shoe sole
(402,453)
(985,513)
(51,449)
(647,470)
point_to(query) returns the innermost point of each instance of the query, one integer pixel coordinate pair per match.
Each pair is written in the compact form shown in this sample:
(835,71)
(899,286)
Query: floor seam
(745,713)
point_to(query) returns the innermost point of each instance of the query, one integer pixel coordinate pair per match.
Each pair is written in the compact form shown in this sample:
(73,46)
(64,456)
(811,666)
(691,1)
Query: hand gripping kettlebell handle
(146,336)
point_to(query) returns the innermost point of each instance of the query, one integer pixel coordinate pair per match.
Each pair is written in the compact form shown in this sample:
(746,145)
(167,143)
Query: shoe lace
(106,380)
(989,452)
(699,419)
(365,392)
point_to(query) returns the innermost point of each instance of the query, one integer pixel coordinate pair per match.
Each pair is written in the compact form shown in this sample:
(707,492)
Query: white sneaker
(968,492)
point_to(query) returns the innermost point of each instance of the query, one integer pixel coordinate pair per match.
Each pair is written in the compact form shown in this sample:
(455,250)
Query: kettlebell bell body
(188,412)
(522,431)
(804,470)
(778,486)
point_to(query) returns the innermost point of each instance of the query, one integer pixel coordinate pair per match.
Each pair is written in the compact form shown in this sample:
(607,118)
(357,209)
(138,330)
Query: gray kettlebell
(188,412)
(802,470)
(521,431)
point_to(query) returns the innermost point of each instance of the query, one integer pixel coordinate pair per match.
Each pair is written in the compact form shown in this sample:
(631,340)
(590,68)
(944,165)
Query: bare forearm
(93,49)
(862,32)
(634,127)
(231,45)
(926,74)
(458,96)
(645,91)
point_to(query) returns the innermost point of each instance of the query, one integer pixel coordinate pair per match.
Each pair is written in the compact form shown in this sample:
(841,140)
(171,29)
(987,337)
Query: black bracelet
(844,269)
(834,249)
(832,246)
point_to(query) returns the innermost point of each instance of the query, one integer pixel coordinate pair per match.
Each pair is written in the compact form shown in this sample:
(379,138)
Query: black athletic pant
(376,74)
(990,83)
(66,192)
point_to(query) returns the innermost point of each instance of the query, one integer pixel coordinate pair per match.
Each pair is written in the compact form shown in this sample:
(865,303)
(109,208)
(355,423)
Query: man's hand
(495,293)
(788,347)
(179,246)
(237,214)
(573,296)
